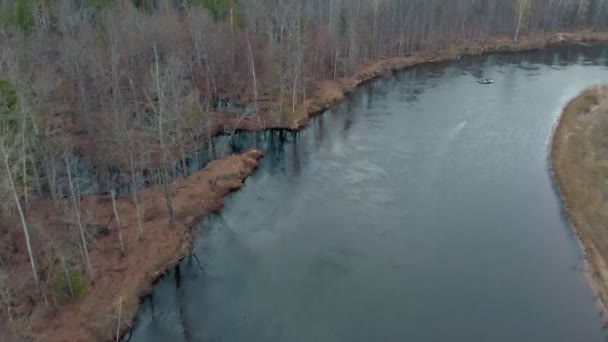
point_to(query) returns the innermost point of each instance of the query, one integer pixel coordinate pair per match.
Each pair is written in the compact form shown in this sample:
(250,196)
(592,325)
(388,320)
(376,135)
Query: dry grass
(580,162)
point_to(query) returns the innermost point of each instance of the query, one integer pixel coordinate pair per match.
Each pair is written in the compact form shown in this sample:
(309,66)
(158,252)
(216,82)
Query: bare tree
(7,153)
(522,5)
(163,121)
(118,225)
(75,197)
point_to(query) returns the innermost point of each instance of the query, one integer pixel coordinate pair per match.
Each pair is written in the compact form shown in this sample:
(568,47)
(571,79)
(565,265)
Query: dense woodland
(130,87)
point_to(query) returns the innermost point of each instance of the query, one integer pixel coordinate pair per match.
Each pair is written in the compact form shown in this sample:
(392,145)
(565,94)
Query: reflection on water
(420,209)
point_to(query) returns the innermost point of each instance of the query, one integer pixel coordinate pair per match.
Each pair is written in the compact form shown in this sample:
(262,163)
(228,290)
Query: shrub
(8,96)
(61,285)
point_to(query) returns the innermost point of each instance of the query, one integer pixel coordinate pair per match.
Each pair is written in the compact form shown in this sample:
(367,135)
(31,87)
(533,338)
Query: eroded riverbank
(579,155)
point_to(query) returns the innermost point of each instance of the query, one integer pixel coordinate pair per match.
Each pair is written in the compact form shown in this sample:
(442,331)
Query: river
(420,209)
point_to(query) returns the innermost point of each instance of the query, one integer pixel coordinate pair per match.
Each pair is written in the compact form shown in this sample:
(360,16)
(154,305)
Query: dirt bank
(579,155)
(120,282)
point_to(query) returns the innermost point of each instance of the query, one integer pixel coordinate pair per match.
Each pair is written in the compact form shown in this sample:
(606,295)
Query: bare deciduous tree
(75,197)
(7,154)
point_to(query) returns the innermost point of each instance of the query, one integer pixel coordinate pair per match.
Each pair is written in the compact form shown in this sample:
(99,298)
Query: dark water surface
(421,209)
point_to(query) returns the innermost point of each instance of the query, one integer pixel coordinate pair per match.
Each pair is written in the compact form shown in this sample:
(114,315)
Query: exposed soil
(120,282)
(579,156)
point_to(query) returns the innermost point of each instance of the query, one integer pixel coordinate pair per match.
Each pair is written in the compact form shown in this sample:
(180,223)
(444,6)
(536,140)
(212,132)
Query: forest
(108,97)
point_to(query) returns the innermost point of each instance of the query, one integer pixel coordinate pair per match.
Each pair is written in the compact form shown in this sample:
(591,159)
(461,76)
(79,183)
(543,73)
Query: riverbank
(579,156)
(94,317)
(328,93)
(120,282)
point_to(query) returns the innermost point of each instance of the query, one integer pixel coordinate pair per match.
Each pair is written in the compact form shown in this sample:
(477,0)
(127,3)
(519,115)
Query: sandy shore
(579,156)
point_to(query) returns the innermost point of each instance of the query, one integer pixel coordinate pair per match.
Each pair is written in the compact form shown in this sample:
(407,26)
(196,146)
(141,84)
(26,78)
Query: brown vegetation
(580,163)
(123,280)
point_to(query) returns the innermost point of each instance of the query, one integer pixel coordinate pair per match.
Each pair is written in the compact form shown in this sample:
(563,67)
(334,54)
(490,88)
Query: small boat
(484,80)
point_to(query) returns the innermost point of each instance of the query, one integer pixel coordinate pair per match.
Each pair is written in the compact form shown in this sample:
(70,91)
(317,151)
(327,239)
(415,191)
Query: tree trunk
(522,6)
(232,34)
(336,64)
(164,167)
(169,200)
(375,29)
(294,93)
(24,165)
(24,225)
(118,225)
(83,100)
(208,108)
(135,198)
(254,80)
(83,240)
